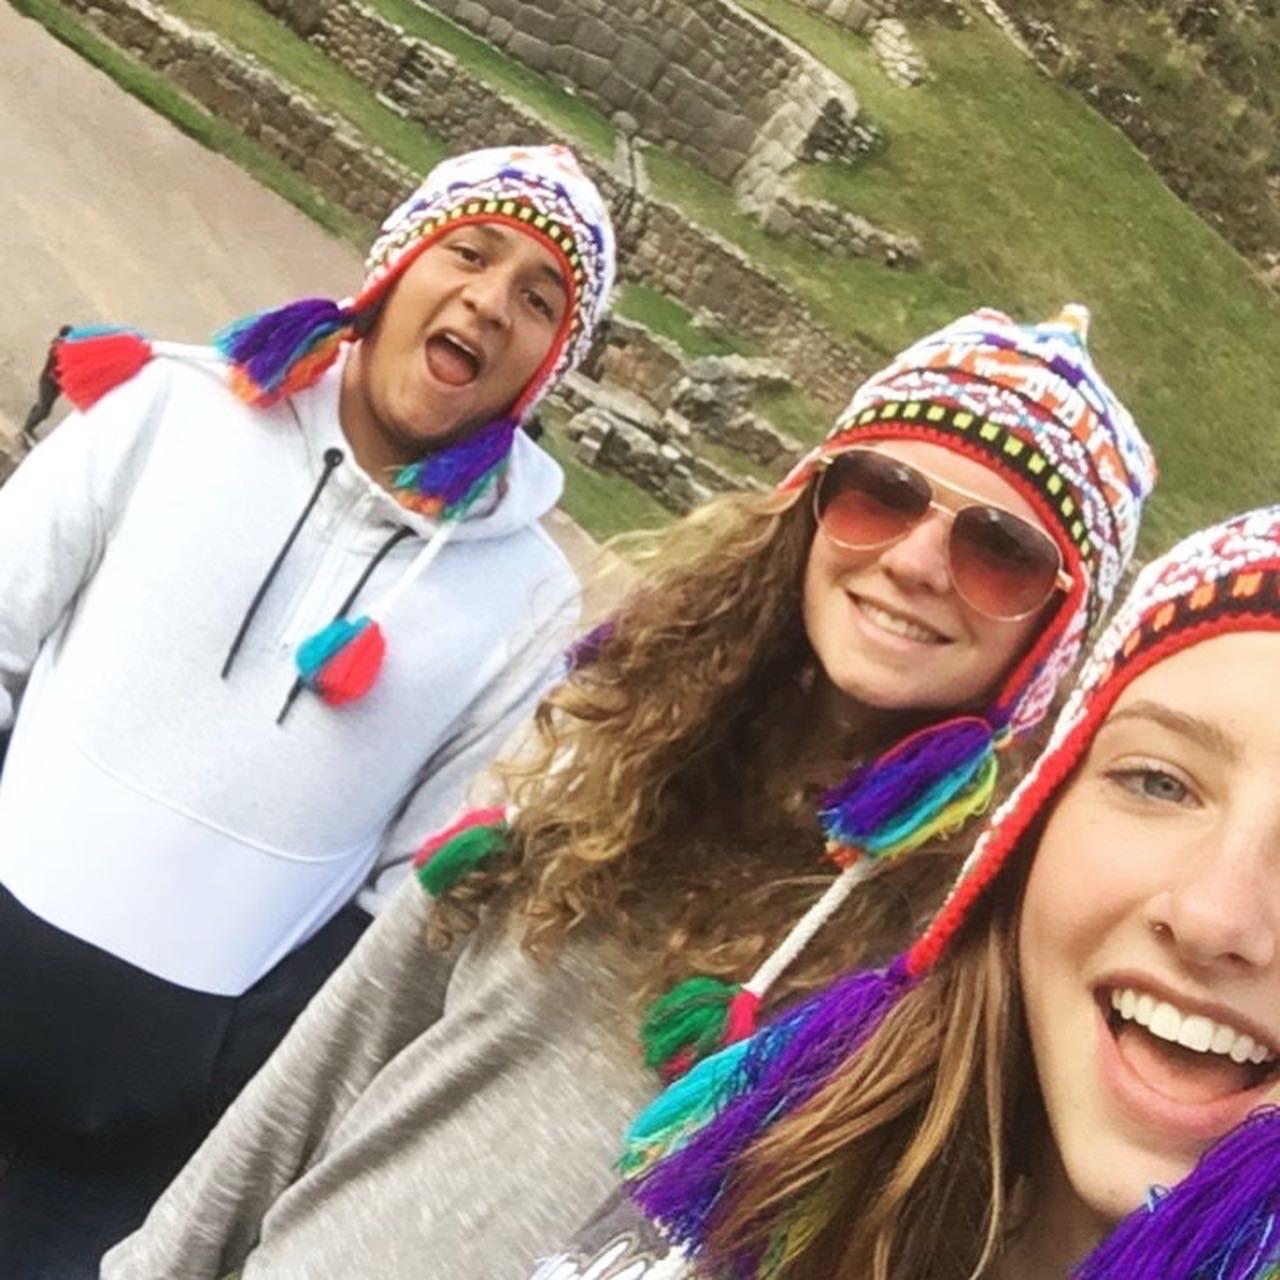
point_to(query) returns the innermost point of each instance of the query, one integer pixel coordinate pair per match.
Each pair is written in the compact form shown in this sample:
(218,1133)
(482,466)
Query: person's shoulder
(134,393)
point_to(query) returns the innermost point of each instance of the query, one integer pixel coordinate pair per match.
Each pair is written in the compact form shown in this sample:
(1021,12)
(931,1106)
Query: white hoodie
(158,811)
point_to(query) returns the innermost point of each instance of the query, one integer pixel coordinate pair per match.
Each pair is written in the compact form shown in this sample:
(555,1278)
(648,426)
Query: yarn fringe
(924,788)
(460,849)
(276,353)
(683,1149)
(91,360)
(449,483)
(691,1020)
(1221,1222)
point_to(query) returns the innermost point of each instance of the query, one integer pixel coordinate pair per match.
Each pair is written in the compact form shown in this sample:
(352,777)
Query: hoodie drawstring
(332,460)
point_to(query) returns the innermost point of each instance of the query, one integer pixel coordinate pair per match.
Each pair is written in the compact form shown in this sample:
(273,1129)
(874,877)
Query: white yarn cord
(802,932)
(417,567)
(201,353)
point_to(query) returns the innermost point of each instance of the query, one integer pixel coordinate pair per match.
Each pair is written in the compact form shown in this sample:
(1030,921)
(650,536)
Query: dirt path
(110,214)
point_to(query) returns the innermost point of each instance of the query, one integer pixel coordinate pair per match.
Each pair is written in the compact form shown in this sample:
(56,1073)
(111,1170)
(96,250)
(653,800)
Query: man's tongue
(448,363)
(1180,1074)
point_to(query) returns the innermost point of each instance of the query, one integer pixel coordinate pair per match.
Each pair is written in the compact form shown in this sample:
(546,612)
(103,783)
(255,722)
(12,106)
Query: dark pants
(110,1078)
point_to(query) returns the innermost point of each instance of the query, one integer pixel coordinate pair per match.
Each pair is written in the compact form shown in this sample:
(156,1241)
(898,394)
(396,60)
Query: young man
(264,610)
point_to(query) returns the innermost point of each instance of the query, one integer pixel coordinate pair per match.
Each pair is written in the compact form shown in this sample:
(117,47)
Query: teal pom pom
(316,650)
(682,1109)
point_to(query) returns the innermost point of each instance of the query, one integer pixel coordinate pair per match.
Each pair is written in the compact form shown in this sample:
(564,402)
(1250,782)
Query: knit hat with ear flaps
(1223,1220)
(539,191)
(1028,402)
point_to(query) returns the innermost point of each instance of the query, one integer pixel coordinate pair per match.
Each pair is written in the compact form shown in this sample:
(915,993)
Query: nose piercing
(1161,930)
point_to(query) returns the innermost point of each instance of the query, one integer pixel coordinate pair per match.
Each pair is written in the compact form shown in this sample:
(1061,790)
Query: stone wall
(712,275)
(412,77)
(839,231)
(855,15)
(331,155)
(672,254)
(701,270)
(703,78)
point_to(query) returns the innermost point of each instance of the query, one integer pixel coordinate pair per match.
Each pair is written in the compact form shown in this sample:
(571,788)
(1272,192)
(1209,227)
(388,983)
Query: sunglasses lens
(1001,565)
(869,499)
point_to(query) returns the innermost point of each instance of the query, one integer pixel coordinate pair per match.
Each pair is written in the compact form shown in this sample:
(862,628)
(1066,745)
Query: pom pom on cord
(342,661)
(459,849)
(686,1023)
(90,361)
(1221,1222)
(275,353)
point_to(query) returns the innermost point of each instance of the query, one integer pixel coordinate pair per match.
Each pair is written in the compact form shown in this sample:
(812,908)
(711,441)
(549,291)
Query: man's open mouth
(452,360)
(1185,1056)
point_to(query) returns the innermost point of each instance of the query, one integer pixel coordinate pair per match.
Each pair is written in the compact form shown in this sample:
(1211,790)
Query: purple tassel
(1221,1222)
(456,475)
(786,1063)
(883,788)
(586,649)
(267,346)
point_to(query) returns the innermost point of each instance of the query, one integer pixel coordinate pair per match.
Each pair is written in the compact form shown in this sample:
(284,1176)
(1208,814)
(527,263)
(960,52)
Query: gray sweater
(427,1118)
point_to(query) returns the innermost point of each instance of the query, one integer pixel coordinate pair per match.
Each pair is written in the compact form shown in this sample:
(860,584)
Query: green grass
(792,411)
(736,463)
(559,109)
(1024,198)
(665,316)
(159,94)
(603,504)
(252,29)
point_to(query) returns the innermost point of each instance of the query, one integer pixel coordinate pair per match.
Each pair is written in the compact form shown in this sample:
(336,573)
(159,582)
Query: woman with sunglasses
(908,601)
(1075,1070)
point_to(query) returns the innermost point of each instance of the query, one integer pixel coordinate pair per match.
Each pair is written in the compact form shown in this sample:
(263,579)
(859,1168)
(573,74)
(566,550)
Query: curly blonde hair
(670,796)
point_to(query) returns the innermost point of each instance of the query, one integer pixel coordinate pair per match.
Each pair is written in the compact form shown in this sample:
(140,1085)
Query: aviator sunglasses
(1000,565)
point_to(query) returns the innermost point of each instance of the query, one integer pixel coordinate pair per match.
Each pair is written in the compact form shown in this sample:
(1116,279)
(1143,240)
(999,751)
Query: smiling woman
(1094,1008)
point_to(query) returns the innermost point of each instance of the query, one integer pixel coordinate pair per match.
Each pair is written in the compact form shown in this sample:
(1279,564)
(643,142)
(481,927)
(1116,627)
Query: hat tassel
(92,360)
(461,848)
(275,353)
(1221,1222)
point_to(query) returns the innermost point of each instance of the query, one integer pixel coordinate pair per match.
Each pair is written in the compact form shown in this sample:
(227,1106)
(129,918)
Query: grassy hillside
(1021,195)
(1024,198)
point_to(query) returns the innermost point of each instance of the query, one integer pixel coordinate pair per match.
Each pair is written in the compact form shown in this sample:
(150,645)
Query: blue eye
(1149,782)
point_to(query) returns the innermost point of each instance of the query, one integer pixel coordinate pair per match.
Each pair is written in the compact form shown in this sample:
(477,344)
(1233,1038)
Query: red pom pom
(87,368)
(350,673)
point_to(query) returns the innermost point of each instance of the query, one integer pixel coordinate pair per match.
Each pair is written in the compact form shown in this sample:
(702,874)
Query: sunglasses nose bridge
(922,551)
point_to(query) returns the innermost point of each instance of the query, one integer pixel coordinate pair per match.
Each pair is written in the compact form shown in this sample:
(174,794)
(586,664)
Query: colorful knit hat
(542,192)
(1028,402)
(1223,1220)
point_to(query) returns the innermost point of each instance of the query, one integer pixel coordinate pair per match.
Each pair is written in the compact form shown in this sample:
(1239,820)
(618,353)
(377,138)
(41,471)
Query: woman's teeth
(898,625)
(1191,1030)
